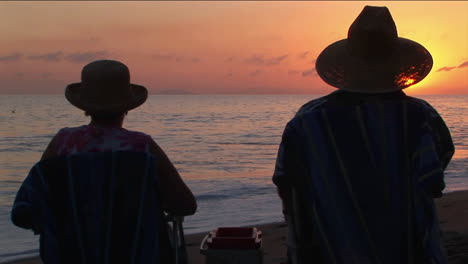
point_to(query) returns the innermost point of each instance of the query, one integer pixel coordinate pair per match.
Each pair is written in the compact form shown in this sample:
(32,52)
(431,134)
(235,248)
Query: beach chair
(98,208)
(178,239)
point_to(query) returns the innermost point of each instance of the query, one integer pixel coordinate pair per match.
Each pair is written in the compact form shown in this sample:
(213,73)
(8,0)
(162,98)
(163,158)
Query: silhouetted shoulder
(436,126)
(422,105)
(312,105)
(138,134)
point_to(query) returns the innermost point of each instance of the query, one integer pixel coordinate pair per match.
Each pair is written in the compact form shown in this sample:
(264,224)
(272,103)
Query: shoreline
(452,210)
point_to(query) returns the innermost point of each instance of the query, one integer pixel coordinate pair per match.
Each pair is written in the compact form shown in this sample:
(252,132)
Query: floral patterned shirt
(89,138)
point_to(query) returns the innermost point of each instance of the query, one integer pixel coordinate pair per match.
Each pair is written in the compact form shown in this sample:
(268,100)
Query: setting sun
(409,81)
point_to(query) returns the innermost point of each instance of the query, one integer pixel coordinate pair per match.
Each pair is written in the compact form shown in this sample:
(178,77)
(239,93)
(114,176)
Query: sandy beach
(453,216)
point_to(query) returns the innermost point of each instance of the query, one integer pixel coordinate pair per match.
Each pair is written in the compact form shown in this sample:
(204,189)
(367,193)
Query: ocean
(223,146)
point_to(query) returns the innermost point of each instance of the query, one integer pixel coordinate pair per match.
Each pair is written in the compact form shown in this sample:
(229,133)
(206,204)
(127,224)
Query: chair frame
(177,238)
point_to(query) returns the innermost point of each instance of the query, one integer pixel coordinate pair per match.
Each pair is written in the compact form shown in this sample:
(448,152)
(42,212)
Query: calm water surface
(223,146)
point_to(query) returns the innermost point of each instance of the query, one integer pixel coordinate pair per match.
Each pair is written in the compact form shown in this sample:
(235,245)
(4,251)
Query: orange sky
(213,47)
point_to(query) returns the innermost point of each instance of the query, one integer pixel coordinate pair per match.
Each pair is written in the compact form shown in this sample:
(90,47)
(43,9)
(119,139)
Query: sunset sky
(213,47)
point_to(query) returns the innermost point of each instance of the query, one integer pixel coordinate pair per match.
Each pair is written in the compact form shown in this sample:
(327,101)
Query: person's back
(357,169)
(362,172)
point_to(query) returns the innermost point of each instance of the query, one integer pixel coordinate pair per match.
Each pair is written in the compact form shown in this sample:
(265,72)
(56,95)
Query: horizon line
(227,94)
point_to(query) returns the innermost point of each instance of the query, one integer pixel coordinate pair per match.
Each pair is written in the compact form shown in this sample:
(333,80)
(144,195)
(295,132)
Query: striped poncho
(364,170)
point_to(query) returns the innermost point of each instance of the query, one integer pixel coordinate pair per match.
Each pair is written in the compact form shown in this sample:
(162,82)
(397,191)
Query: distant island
(172,92)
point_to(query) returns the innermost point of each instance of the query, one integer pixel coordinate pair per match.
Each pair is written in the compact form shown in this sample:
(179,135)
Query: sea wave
(19,254)
(222,145)
(248,143)
(203,197)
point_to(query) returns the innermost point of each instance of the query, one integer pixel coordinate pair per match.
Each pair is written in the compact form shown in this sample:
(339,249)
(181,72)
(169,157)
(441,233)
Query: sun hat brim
(406,65)
(138,95)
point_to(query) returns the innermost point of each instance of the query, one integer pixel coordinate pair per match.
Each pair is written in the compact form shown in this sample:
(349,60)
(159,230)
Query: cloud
(311,72)
(263,89)
(11,57)
(464,64)
(185,59)
(175,58)
(54,56)
(46,75)
(163,57)
(291,72)
(80,57)
(263,61)
(94,39)
(303,55)
(255,73)
(172,91)
(444,36)
(446,69)
(19,75)
(195,60)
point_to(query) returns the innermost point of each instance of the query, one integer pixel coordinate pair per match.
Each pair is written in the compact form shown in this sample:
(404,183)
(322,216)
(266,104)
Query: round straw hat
(105,88)
(373,59)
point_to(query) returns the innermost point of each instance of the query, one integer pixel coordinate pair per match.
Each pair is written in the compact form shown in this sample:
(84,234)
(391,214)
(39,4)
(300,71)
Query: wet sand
(453,216)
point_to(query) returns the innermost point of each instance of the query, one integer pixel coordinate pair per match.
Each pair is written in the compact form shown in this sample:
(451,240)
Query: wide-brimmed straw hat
(373,59)
(105,88)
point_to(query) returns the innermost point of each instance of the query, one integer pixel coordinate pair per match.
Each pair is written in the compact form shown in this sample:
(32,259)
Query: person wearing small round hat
(358,169)
(106,95)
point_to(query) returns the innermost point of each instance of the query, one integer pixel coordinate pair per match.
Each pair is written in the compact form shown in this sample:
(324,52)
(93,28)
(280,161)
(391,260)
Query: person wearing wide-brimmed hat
(357,170)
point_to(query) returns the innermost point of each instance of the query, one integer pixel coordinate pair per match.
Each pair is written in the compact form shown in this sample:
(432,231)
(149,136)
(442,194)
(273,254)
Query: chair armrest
(174,218)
